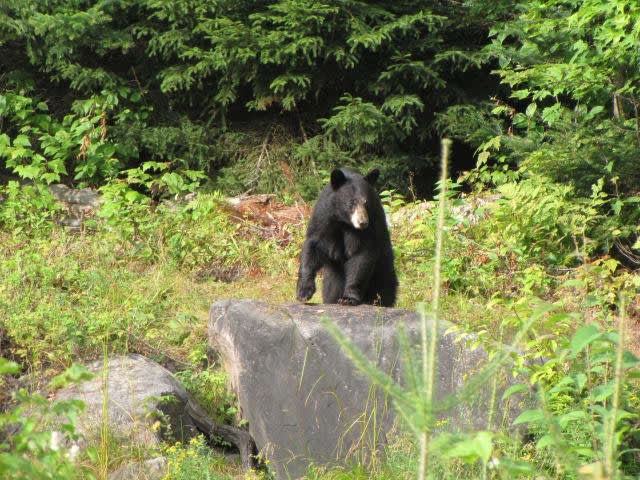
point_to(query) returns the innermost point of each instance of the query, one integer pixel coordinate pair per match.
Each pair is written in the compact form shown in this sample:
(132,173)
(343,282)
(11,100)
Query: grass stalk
(104,419)
(610,440)
(429,354)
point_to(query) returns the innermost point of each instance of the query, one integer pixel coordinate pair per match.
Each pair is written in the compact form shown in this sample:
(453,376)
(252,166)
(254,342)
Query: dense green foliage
(572,117)
(148,100)
(96,88)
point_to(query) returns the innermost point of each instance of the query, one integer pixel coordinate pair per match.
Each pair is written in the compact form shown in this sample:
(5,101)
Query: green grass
(64,297)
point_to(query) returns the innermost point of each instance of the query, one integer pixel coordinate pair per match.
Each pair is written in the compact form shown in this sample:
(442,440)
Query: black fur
(357,262)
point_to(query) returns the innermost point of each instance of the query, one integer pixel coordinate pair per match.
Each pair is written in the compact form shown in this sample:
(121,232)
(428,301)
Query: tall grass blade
(610,447)
(429,355)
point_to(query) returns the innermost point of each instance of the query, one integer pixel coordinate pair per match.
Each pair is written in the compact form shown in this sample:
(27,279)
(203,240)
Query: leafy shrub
(29,208)
(34,453)
(197,460)
(46,150)
(100,88)
(587,404)
(209,388)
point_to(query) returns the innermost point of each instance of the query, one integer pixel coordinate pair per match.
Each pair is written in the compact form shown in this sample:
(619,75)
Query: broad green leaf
(22,141)
(531,110)
(585,335)
(513,389)
(530,416)
(545,441)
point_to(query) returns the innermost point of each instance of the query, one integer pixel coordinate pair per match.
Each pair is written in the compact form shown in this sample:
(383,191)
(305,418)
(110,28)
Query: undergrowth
(141,277)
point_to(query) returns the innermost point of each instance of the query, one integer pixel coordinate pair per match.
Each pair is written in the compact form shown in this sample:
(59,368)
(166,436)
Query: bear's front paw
(305,290)
(349,301)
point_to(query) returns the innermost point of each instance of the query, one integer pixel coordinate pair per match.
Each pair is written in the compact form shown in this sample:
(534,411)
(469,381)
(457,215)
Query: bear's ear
(372,176)
(337,178)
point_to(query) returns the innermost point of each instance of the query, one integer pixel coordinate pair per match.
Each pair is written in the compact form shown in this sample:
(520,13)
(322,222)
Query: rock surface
(82,198)
(146,404)
(303,399)
(153,469)
(138,395)
(78,204)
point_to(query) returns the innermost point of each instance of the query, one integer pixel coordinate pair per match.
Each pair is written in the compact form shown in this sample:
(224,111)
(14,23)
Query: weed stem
(429,359)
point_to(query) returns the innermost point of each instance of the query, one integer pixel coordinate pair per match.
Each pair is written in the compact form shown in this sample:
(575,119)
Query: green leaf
(531,110)
(132,196)
(530,416)
(545,441)
(513,389)
(572,416)
(5,142)
(472,449)
(28,171)
(602,392)
(552,114)
(8,367)
(585,336)
(22,141)
(580,381)
(483,157)
(573,283)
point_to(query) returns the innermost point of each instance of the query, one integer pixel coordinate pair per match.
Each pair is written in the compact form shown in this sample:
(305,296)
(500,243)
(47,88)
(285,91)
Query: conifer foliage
(169,81)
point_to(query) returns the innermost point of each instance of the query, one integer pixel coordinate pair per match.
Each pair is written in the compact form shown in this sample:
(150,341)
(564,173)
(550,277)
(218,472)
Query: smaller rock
(141,396)
(146,404)
(153,469)
(85,197)
(78,204)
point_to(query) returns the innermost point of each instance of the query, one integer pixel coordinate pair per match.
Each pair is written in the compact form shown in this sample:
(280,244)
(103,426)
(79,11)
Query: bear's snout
(360,217)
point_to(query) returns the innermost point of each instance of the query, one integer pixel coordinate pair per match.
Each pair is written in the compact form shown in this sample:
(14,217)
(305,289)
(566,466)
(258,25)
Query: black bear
(348,237)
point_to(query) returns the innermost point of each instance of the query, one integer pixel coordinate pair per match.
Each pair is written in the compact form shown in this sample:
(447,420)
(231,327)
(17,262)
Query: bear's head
(353,195)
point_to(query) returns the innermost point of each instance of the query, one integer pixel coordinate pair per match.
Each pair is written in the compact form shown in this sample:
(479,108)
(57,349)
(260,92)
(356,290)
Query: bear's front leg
(358,271)
(310,263)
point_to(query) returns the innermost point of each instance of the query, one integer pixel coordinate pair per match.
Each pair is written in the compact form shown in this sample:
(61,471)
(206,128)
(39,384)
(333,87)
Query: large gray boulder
(145,405)
(300,393)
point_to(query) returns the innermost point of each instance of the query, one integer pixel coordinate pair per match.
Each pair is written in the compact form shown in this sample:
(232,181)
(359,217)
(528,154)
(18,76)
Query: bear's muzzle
(360,217)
